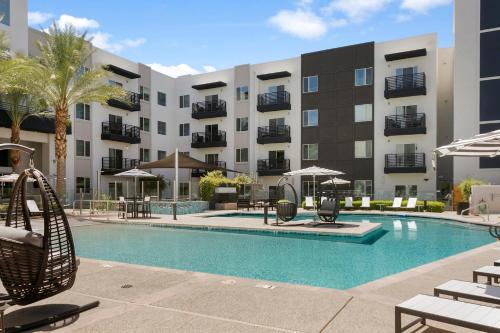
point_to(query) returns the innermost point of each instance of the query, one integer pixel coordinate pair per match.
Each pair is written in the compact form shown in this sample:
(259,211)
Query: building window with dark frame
(5,12)
(241,155)
(184,101)
(83,184)
(144,93)
(363,149)
(82,111)
(184,129)
(82,148)
(144,124)
(162,127)
(310,151)
(184,189)
(144,155)
(162,98)
(242,124)
(242,93)
(363,187)
(161,154)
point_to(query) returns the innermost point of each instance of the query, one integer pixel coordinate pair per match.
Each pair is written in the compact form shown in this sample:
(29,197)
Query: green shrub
(216,178)
(466,187)
(432,206)
(3,208)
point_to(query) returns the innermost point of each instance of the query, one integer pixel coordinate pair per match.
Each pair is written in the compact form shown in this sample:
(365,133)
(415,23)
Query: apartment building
(371,110)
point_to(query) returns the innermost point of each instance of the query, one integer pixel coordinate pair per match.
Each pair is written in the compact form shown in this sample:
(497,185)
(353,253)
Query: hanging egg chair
(286,210)
(34,266)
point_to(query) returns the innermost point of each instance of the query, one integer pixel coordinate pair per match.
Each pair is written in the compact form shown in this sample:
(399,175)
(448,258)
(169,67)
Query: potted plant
(466,191)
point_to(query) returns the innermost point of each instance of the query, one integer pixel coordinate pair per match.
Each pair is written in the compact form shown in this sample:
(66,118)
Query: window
(184,101)
(400,191)
(82,184)
(212,158)
(363,112)
(162,127)
(144,92)
(162,99)
(144,155)
(242,93)
(242,124)
(82,111)
(184,189)
(308,188)
(489,14)
(310,151)
(144,124)
(412,190)
(245,191)
(363,187)
(115,190)
(406,110)
(184,129)
(82,148)
(310,118)
(161,154)
(363,149)
(115,83)
(241,155)
(5,12)
(363,77)
(310,84)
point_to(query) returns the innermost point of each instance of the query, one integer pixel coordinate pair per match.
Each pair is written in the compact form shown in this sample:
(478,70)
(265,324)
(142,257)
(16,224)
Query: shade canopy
(185,162)
(314,171)
(481,145)
(134,173)
(336,181)
(12,178)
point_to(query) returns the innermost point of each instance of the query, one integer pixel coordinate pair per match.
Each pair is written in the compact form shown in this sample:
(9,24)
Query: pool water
(322,261)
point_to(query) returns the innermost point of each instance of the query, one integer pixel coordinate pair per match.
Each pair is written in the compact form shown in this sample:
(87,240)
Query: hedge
(432,206)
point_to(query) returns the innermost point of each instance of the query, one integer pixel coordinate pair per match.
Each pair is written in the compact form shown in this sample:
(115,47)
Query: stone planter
(225,206)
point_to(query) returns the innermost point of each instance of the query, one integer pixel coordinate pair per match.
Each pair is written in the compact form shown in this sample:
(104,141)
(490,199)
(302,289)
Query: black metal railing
(405,124)
(208,139)
(405,163)
(202,172)
(279,100)
(272,167)
(209,109)
(133,102)
(115,164)
(120,132)
(273,134)
(405,85)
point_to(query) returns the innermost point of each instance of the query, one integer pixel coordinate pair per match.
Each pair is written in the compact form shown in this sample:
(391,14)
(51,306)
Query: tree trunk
(61,146)
(15,155)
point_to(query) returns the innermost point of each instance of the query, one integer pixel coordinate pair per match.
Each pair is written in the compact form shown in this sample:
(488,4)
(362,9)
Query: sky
(189,37)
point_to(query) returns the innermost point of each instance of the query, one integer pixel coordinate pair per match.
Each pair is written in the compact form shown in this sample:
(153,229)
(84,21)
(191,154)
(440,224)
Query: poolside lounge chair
(411,204)
(365,203)
(348,203)
(329,211)
(309,203)
(490,272)
(33,207)
(467,315)
(496,263)
(244,203)
(469,290)
(396,204)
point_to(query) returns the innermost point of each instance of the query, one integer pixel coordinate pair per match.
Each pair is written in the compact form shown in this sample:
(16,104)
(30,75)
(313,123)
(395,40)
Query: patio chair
(122,206)
(146,207)
(396,204)
(272,203)
(309,203)
(469,290)
(33,208)
(243,203)
(348,203)
(490,272)
(411,204)
(365,203)
(329,211)
(448,311)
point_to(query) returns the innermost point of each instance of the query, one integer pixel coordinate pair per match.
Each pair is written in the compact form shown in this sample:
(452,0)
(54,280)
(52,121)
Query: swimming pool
(322,261)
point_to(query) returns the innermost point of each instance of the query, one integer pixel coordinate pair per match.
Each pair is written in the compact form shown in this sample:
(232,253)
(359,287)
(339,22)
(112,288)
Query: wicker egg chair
(287,211)
(34,266)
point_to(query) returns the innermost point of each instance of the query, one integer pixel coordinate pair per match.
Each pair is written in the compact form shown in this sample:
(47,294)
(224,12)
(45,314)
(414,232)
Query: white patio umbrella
(314,171)
(481,145)
(336,181)
(135,173)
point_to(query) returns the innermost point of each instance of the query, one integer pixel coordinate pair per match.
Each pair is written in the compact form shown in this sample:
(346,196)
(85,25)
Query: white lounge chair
(469,290)
(33,207)
(397,225)
(365,202)
(309,203)
(396,204)
(348,203)
(467,315)
(411,204)
(489,272)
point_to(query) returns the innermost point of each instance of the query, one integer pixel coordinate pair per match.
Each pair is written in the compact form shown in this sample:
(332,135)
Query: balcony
(273,167)
(405,124)
(207,140)
(274,101)
(405,85)
(112,165)
(135,103)
(200,172)
(405,163)
(120,132)
(273,134)
(205,110)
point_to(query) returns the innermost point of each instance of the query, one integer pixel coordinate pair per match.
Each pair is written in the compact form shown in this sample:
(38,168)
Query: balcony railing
(133,105)
(204,110)
(405,163)
(273,134)
(208,139)
(201,172)
(275,101)
(405,124)
(120,132)
(112,165)
(405,85)
(273,167)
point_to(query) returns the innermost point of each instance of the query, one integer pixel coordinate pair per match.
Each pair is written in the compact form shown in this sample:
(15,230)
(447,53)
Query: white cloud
(301,23)
(179,70)
(304,3)
(35,18)
(79,23)
(422,6)
(403,18)
(356,10)
(103,41)
(337,23)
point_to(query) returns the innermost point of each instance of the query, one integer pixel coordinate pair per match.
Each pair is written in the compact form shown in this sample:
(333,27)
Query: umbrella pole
(176,184)
(314,191)
(127,190)
(116,190)
(158,190)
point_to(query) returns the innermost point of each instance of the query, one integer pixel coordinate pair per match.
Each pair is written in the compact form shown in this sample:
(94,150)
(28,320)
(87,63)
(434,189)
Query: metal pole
(142,189)
(97,180)
(176,187)
(174,210)
(158,190)
(116,188)
(127,190)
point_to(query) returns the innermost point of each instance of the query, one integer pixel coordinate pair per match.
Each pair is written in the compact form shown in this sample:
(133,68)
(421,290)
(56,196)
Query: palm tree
(62,78)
